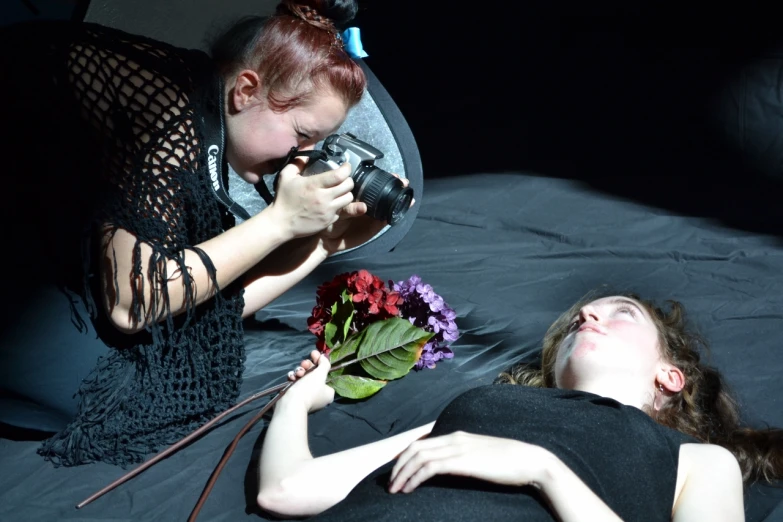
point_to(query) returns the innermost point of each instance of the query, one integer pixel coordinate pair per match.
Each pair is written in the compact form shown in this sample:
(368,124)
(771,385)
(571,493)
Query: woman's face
(258,138)
(609,338)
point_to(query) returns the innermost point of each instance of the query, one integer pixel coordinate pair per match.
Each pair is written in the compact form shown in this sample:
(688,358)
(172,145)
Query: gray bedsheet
(509,252)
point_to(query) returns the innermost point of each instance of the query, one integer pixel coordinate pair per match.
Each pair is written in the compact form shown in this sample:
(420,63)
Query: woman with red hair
(128,331)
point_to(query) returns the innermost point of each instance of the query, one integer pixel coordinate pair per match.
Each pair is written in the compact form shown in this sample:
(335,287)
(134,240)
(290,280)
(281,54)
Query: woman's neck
(624,392)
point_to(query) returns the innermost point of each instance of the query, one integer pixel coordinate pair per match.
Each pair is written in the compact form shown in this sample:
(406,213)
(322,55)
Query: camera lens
(384,194)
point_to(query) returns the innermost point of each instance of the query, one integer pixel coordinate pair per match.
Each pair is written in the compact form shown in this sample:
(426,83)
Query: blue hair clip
(353,43)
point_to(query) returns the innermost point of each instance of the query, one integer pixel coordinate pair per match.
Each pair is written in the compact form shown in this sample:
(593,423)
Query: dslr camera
(386,197)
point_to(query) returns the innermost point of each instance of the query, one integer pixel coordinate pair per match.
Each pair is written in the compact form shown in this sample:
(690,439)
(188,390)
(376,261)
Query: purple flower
(427,310)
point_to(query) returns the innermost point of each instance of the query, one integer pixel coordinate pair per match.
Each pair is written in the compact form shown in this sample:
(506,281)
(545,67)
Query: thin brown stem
(177,445)
(174,447)
(230,451)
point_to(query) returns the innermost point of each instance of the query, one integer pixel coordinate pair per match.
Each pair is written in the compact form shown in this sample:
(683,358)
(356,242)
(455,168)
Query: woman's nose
(590,313)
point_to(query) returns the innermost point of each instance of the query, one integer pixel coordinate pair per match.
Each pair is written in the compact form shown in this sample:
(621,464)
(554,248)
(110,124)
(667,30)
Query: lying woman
(621,421)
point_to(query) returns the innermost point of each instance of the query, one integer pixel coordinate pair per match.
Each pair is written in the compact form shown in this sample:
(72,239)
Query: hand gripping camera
(386,197)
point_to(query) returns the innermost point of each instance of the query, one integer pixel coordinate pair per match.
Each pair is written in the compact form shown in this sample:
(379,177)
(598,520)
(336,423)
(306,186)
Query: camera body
(386,197)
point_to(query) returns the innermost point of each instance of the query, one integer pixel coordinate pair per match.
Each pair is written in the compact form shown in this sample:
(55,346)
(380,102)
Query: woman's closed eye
(624,309)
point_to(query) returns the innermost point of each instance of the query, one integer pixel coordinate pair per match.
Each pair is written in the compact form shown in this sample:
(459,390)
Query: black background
(630,97)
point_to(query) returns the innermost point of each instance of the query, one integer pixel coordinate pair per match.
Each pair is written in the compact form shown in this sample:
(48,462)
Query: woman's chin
(585,348)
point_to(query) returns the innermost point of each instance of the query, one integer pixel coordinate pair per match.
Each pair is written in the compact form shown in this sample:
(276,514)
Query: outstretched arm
(291,481)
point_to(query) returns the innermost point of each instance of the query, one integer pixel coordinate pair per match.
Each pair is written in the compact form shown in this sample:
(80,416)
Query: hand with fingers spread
(310,387)
(306,205)
(498,460)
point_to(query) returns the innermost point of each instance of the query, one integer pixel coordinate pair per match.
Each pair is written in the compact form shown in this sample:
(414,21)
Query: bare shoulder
(709,484)
(710,454)
(700,461)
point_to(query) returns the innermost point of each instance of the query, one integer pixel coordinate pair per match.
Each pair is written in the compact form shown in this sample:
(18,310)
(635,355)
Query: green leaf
(347,325)
(342,351)
(330,330)
(355,386)
(388,349)
(338,327)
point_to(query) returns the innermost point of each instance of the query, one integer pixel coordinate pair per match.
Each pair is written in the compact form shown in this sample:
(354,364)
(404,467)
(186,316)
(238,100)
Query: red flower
(365,286)
(372,299)
(320,345)
(316,322)
(370,289)
(329,292)
(393,300)
(375,301)
(326,295)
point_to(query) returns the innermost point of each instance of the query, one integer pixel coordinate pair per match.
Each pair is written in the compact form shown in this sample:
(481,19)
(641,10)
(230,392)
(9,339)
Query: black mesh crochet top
(108,133)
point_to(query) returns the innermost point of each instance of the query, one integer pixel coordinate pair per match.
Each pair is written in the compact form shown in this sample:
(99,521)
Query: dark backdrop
(677,106)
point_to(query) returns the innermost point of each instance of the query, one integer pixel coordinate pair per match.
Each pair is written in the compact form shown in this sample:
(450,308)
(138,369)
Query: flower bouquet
(374,333)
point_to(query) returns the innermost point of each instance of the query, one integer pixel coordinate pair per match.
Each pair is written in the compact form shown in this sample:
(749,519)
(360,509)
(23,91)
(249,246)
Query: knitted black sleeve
(136,96)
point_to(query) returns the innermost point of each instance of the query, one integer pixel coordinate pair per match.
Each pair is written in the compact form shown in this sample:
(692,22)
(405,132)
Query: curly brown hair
(704,409)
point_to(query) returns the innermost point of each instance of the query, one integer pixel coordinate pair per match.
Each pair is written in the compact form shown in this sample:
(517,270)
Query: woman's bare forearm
(232,253)
(280,271)
(291,481)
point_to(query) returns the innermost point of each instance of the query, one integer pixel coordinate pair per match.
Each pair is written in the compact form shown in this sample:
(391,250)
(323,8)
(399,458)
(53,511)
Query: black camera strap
(261,187)
(318,154)
(215,141)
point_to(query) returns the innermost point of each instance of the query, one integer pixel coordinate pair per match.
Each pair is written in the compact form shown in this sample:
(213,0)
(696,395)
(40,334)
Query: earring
(660,387)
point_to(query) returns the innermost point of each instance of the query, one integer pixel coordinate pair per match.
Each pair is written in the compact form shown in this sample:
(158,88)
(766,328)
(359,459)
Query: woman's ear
(247,91)
(671,378)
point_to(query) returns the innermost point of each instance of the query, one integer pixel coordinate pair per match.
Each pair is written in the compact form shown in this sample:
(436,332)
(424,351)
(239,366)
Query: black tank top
(624,456)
